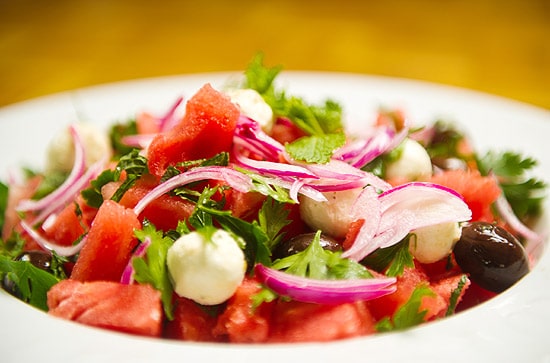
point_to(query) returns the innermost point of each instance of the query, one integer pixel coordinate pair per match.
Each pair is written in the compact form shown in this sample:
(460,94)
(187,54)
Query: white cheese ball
(206,270)
(60,153)
(251,104)
(334,216)
(414,163)
(432,243)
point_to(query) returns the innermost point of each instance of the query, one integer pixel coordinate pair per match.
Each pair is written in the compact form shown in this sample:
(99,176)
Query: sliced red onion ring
(273,168)
(141,141)
(79,166)
(232,177)
(406,208)
(305,190)
(127,277)
(328,292)
(169,120)
(47,245)
(70,192)
(250,135)
(534,240)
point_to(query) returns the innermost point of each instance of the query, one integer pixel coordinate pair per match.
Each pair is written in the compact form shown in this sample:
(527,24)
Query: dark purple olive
(300,242)
(494,259)
(39,259)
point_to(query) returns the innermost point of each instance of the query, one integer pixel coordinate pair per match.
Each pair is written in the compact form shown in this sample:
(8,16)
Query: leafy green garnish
(409,314)
(318,121)
(12,246)
(391,259)
(272,218)
(49,183)
(317,263)
(151,269)
(133,164)
(317,148)
(117,132)
(260,78)
(31,282)
(455,294)
(524,193)
(4,193)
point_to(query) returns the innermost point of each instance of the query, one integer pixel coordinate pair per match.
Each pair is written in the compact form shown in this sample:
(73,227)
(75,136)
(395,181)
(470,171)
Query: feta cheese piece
(252,104)
(206,266)
(334,216)
(60,152)
(432,243)
(414,163)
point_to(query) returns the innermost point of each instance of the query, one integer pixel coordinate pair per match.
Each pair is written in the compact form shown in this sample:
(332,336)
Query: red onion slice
(328,292)
(406,208)
(273,168)
(79,166)
(232,177)
(127,277)
(47,245)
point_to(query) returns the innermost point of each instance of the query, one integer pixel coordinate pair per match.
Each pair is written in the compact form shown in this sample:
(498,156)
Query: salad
(248,215)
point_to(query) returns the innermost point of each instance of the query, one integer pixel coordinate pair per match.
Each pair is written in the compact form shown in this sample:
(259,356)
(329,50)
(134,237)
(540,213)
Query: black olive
(300,242)
(40,259)
(494,258)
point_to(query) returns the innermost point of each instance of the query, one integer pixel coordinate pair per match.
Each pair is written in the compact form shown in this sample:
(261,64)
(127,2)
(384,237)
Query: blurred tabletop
(495,46)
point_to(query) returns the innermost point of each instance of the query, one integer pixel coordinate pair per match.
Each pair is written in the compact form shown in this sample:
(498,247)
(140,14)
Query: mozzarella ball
(206,268)
(432,243)
(252,104)
(333,217)
(414,163)
(60,153)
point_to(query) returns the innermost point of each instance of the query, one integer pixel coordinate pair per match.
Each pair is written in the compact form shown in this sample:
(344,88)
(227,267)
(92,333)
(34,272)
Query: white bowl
(511,327)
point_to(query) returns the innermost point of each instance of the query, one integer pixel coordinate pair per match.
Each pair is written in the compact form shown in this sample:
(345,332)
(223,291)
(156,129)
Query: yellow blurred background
(500,47)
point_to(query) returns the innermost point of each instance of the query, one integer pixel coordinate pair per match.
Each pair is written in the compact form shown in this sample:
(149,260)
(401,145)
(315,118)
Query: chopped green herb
(317,148)
(391,259)
(152,269)
(317,263)
(4,193)
(31,282)
(117,132)
(409,314)
(525,194)
(455,294)
(133,164)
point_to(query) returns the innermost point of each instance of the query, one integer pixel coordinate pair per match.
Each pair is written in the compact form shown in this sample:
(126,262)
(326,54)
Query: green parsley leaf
(32,283)
(409,314)
(315,149)
(391,259)
(151,269)
(524,193)
(272,218)
(317,263)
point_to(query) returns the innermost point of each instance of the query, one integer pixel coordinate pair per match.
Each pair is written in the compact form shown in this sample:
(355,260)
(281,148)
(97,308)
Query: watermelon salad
(248,215)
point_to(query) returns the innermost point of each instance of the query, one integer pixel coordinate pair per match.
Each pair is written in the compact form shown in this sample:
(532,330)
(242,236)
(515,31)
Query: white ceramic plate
(512,327)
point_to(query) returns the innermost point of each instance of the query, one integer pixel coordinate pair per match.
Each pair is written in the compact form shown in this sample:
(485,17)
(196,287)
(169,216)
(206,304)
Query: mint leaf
(315,149)
(259,77)
(117,132)
(151,269)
